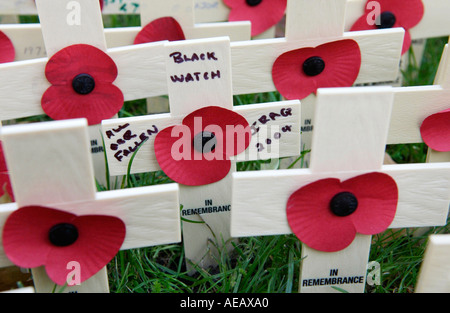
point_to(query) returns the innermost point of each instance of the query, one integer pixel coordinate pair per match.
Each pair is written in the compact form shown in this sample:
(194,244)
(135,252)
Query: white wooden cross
(50,166)
(205,67)
(310,24)
(412,105)
(434,23)
(29,44)
(141,68)
(434,275)
(349,140)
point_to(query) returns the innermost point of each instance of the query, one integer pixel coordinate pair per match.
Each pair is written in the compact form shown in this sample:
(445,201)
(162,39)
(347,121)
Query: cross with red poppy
(213,136)
(346,196)
(433,276)
(59,225)
(80,77)
(316,53)
(420,114)
(420,18)
(168,20)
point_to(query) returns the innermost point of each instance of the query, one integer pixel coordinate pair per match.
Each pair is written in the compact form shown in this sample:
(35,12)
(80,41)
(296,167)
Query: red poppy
(435,131)
(5,183)
(298,73)
(327,214)
(38,236)
(198,151)
(164,28)
(82,79)
(7,51)
(393,13)
(263,14)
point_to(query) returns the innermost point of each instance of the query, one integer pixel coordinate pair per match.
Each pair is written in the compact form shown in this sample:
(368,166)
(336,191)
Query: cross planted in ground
(65,23)
(349,140)
(59,175)
(199,76)
(310,24)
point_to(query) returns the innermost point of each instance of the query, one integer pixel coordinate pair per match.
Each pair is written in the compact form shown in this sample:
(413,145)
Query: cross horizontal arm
(252,61)
(141,74)
(423,196)
(267,117)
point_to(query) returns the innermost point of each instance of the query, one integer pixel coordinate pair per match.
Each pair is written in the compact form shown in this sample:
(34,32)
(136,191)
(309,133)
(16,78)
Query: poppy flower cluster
(298,73)
(263,14)
(198,151)
(36,236)
(326,214)
(393,13)
(82,79)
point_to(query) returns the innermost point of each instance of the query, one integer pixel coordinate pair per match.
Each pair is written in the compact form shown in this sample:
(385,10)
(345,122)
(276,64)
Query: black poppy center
(313,66)
(205,142)
(83,84)
(343,204)
(63,234)
(387,20)
(253,3)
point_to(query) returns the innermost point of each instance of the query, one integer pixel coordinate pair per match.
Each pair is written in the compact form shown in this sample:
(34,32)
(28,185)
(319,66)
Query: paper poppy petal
(25,234)
(262,16)
(377,195)
(164,28)
(80,59)
(7,51)
(435,131)
(312,221)
(62,102)
(182,163)
(236,133)
(342,64)
(100,238)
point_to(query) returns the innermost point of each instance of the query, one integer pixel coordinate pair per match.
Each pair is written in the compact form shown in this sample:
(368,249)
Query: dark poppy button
(205,142)
(63,234)
(83,84)
(387,20)
(343,204)
(253,3)
(313,66)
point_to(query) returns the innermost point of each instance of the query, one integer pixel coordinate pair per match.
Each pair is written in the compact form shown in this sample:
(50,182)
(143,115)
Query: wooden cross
(199,76)
(310,24)
(349,140)
(434,272)
(412,105)
(24,82)
(434,22)
(29,44)
(59,175)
